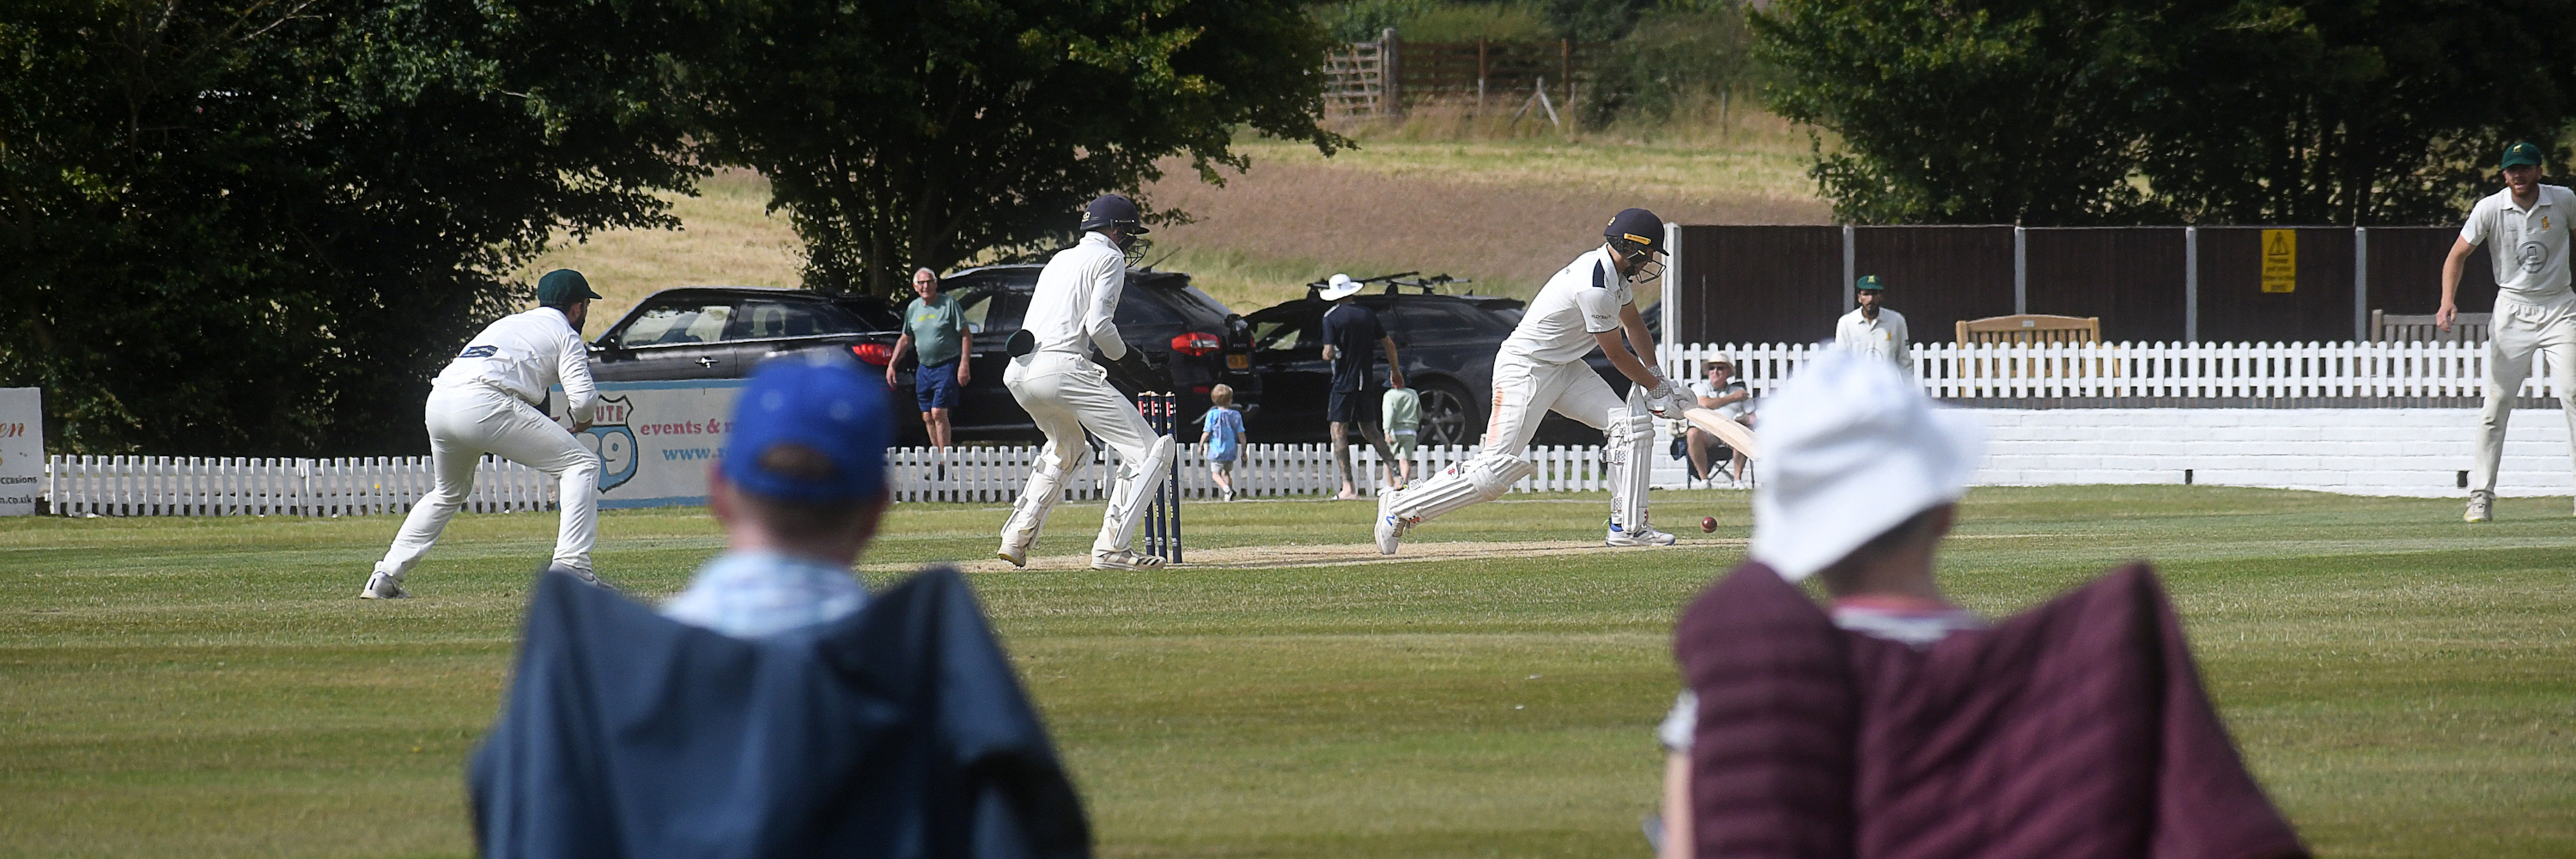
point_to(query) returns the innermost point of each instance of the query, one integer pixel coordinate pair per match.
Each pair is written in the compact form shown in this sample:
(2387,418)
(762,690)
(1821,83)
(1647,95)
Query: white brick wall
(2412,452)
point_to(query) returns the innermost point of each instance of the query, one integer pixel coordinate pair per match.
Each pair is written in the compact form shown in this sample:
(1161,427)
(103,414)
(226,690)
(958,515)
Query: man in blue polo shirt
(799,492)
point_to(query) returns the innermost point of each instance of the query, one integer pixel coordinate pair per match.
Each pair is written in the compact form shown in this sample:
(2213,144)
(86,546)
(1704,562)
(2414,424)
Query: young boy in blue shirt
(1223,436)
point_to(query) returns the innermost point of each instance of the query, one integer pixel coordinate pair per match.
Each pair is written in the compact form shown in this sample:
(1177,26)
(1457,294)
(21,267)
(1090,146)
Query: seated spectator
(773,708)
(1721,393)
(1898,723)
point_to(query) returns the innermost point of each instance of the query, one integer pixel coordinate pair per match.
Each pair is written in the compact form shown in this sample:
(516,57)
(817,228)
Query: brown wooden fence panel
(2234,307)
(1508,69)
(1759,284)
(2131,277)
(1937,276)
(2406,271)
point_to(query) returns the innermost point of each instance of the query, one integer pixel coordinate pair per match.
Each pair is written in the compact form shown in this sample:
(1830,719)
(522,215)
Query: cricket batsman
(486,402)
(1540,368)
(1074,311)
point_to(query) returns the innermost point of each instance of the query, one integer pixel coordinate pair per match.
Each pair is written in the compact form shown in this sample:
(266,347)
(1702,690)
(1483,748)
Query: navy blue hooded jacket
(898,731)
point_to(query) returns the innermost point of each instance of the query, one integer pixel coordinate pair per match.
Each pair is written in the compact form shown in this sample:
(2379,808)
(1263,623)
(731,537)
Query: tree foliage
(1680,54)
(259,228)
(904,135)
(2124,111)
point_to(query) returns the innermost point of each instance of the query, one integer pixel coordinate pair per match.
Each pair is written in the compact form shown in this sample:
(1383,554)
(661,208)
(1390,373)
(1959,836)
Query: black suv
(1190,343)
(1446,342)
(719,332)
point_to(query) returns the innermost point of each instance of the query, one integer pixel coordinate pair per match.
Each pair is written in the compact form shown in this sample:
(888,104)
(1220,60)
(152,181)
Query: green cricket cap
(563,286)
(1869,283)
(2519,154)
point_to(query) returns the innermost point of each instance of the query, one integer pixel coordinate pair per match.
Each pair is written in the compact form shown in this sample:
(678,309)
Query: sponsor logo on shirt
(478,352)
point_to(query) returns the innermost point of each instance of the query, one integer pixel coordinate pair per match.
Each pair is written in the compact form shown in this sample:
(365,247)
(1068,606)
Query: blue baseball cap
(809,427)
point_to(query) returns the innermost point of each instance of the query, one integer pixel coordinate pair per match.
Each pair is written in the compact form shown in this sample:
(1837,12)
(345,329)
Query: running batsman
(1540,368)
(1072,313)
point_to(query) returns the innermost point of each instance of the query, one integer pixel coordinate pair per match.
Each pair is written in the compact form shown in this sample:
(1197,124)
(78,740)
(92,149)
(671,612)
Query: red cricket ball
(1708,523)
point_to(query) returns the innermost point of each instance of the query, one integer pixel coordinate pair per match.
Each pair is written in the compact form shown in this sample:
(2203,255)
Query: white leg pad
(1630,433)
(1045,488)
(1137,481)
(1475,481)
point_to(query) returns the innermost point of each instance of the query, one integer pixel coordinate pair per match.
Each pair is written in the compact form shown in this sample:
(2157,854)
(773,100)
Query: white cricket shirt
(1581,300)
(2529,247)
(1076,302)
(523,355)
(1885,337)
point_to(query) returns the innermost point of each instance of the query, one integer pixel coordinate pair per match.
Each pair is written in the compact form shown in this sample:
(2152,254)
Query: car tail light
(874,353)
(1197,345)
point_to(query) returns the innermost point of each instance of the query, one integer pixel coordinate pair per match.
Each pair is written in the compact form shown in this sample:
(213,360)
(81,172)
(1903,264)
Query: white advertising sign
(22,449)
(656,439)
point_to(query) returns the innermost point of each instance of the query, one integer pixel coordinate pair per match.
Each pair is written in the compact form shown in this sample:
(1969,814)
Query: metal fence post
(1851,272)
(2360,284)
(2021,271)
(2191,284)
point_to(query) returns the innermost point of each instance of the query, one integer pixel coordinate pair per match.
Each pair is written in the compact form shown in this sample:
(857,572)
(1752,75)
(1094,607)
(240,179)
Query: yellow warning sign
(2280,260)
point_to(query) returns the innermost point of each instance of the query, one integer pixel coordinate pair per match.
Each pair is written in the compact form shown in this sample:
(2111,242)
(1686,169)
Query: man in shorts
(2527,223)
(1352,336)
(934,327)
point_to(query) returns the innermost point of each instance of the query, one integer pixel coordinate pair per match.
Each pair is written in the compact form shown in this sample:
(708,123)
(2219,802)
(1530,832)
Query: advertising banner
(22,449)
(655,439)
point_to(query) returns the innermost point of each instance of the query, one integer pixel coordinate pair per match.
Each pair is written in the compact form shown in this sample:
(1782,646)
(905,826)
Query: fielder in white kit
(1540,368)
(1073,311)
(2525,228)
(486,402)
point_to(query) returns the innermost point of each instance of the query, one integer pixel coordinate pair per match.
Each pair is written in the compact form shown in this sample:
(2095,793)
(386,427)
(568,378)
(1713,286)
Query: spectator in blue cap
(799,492)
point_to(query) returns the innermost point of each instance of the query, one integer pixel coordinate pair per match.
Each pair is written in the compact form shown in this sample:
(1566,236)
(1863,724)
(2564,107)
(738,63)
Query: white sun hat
(1341,285)
(1853,447)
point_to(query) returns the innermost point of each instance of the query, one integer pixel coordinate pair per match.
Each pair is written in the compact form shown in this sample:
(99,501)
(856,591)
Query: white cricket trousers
(1066,394)
(1525,390)
(2520,330)
(468,421)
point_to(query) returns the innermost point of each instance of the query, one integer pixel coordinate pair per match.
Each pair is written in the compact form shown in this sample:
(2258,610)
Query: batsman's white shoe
(2481,507)
(383,586)
(1645,535)
(1390,530)
(1017,555)
(1124,559)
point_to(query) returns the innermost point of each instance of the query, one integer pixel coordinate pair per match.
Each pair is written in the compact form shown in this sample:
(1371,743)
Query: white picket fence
(2150,370)
(232,486)
(996,474)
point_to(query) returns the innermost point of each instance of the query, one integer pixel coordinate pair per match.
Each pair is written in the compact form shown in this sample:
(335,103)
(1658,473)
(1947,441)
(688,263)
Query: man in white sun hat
(1892,715)
(1353,337)
(1861,481)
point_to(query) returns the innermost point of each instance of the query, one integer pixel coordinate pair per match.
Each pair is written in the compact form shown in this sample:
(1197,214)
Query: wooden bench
(2413,328)
(2031,328)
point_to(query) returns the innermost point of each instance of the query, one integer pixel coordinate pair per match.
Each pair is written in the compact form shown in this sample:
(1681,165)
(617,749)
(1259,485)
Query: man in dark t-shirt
(1351,337)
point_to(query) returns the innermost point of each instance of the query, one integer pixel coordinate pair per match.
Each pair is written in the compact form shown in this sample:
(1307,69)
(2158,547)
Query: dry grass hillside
(1505,211)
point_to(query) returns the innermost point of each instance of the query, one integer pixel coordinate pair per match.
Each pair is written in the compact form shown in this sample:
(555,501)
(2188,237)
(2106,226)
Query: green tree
(2125,111)
(259,228)
(903,135)
(1679,54)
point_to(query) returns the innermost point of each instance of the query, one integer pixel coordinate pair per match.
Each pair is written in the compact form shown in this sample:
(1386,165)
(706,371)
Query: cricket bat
(1735,435)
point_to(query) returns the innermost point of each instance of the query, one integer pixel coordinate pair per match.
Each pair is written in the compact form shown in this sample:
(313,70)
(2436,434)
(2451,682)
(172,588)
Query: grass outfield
(2404,684)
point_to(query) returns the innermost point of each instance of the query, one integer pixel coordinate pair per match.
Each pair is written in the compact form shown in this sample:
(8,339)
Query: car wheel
(1448,416)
